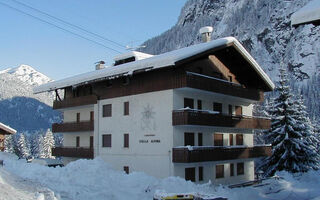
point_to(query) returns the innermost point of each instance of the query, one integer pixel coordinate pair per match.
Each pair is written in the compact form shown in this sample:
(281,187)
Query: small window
(91,116)
(107,110)
(219,171)
(78,117)
(188,139)
(218,139)
(126,140)
(239,139)
(238,110)
(231,139)
(77,141)
(190,174)
(91,142)
(200,139)
(106,140)
(200,173)
(126,169)
(188,103)
(217,107)
(199,105)
(126,108)
(230,109)
(231,169)
(240,168)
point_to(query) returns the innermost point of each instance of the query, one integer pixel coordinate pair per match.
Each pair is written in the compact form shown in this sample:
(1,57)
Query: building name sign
(150,141)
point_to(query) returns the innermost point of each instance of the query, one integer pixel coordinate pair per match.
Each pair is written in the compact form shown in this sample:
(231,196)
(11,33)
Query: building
(308,14)
(5,130)
(184,113)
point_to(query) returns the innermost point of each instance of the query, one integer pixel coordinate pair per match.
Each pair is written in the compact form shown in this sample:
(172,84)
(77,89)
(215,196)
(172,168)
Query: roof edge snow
(307,14)
(7,128)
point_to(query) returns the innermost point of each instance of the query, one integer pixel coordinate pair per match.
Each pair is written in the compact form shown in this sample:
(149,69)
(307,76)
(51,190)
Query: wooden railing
(77,101)
(191,117)
(207,83)
(204,154)
(76,152)
(73,127)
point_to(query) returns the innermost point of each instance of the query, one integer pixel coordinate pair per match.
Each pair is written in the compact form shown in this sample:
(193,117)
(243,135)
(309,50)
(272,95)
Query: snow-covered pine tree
(48,144)
(40,149)
(9,144)
(290,147)
(22,147)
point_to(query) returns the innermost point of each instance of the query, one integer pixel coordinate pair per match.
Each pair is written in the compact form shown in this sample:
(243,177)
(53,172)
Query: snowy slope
(308,13)
(263,27)
(94,179)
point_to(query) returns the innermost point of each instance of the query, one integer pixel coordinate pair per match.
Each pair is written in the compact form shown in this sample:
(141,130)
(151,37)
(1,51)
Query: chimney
(206,33)
(100,65)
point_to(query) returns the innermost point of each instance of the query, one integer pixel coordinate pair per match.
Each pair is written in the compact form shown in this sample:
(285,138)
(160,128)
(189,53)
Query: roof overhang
(168,59)
(4,129)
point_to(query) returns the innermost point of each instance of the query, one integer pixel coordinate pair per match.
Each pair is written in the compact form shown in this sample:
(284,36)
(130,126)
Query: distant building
(5,130)
(184,113)
(309,14)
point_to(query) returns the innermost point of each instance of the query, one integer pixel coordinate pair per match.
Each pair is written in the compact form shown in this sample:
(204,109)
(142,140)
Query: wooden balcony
(73,127)
(201,118)
(202,82)
(73,102)
(75,152)
(204,154)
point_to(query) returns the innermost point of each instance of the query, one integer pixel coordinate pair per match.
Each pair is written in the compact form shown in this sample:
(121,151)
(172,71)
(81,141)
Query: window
(126,169)
(91,142)
(91,116)
(199,139)
(107,110)
(199,105)
(189,139)
(188,103)
(78,117)
(217,107)
(189,174)
(240,168)
(126,140)
(219,171)
(231,169)
(106,140)
(200,173)
(218,139)
(239,139)
(231,139)
(126,108)
(238,110)
(77,141)
(230,109)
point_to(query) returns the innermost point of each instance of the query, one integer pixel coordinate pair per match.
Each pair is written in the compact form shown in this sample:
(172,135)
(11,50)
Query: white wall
(70,115)
(69,139)
(150,118)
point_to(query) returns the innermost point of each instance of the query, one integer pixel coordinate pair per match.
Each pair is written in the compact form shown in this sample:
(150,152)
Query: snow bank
(95,179)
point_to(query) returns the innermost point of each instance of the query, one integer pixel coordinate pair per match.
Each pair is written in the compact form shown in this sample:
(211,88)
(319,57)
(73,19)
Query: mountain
(19,107)
(264,28)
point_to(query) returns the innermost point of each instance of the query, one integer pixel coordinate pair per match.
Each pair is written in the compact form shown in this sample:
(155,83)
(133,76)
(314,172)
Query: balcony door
(218,139)
(188,139)
(188,103)
(238,110)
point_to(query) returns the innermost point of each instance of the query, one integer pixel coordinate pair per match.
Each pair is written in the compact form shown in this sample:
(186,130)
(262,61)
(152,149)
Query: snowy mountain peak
(28,75)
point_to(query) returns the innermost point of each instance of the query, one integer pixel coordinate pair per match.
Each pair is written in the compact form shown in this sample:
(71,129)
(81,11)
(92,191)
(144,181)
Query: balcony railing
(204,154)
(212,84)
(73,102)
(202,118)
(75,152)
(73,127)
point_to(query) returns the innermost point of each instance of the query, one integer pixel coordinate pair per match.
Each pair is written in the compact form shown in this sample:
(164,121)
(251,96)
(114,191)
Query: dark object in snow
(48,162)
(184,196)
(1,163)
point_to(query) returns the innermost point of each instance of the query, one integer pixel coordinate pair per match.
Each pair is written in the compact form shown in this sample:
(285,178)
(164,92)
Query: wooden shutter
(106,140)
(126,108)
(217,107)
(189,139)
(190,174)
(107,110)
(231,169)
(91,142)
(218,139)
(231,139)
(219,171)
(77,141)
(238,110)
(240,168)
(188,103)
(200,139)
(239,139)
(126,140)
(78,117)
(91,116)
(200,173)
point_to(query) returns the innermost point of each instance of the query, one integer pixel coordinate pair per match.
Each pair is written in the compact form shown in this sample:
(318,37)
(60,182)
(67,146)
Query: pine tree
(9,144)
(22,147)
(291,150)
(48,144)
(40,148)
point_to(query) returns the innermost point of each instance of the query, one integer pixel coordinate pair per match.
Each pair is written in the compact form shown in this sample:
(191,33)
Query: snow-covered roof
(7,129)
(136,54)
(307,14)
(155,62)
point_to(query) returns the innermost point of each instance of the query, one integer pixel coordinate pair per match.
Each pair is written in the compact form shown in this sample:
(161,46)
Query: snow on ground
(95,179)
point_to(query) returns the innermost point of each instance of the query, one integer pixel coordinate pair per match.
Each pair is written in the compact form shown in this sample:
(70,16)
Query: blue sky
(58,54)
